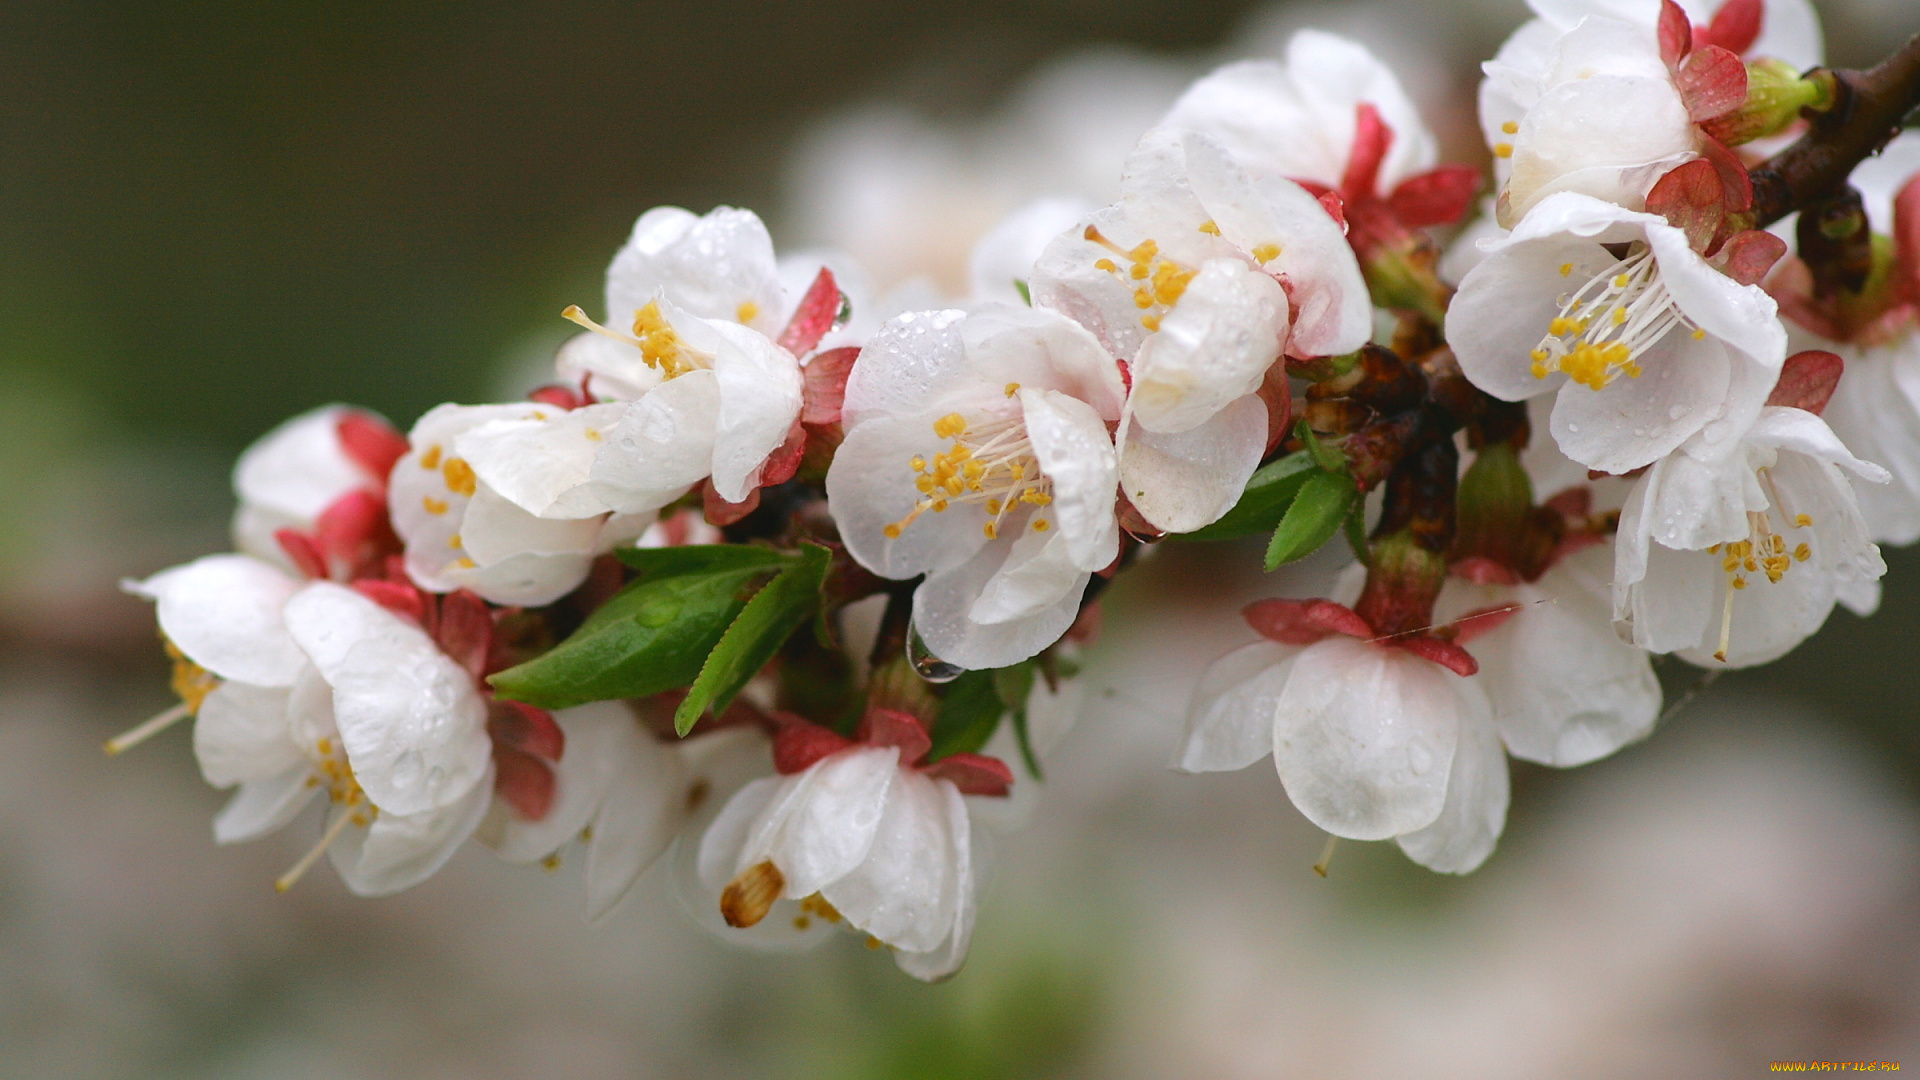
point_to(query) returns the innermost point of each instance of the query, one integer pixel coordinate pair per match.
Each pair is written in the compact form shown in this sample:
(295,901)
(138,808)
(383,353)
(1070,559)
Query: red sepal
(1735,27)
(1276,394)
(891,727)
(523,782)
(1439,197)
(1445,653)
(1303,622)
(1735,182)
(371,443)
(1747,256)
(560,396)
(973,774)
(1692,199)
(814,317)
(1372,138)
(400,598)
(1676,34)
(824,388)
(1807,381)
(1336,208)
(798,745)
(1712,82)
(785,459)
(465,630)
(1575,502)
(719,512)
(304,553)
(1906,238)
(518,726)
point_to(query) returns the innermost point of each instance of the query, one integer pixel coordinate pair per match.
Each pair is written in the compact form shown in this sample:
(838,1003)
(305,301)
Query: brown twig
(1867,110)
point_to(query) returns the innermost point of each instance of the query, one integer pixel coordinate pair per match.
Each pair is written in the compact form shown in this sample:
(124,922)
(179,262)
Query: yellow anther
(1170,282)
(433,505)
(1621,281)
(992,531)
(1151,322)
(459,476)
(1012,389)
(1503,150)
(1803,553)
(993,506)
(1142,298)
(465,563)
(1210,228)
(1510,128)
(592,434)
(1739,583)
(1040,525)
(1266,253)
(1699,334)
(453,542)
(1139,271)
(747,311)
(1801,521)
(431,458)
(891,532)
(1106,264)
(1619,316)
(950,426)
(919,464)
(1144,252)
(1565,269)
(1561,326)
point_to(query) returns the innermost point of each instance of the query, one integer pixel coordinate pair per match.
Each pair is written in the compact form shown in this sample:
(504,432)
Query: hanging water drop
(928,666)
(845,314)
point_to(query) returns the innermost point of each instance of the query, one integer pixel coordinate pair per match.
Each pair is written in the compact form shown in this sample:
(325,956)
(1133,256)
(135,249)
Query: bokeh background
(215,215)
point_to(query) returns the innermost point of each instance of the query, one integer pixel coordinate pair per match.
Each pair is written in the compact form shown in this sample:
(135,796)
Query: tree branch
(1867,110)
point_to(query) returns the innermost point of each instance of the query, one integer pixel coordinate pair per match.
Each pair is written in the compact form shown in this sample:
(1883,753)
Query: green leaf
(1356,527)
(660,562)
(1269,492)
(969,713)
(1325,456)
(763,625)
(1025,294)
(654,635)
(1015,685)
(1314,516)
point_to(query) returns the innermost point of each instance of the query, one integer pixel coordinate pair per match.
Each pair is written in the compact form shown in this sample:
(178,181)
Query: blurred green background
(215,215)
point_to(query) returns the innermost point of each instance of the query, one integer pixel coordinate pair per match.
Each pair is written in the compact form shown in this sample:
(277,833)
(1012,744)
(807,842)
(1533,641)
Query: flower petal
(241,733)
(944,603)
(1213,348)
(823,823)
(1184,482)
(399,851)
(264,805)
(1071,444)
(1475,814)
(905,891)
(1230,723)
(224,613)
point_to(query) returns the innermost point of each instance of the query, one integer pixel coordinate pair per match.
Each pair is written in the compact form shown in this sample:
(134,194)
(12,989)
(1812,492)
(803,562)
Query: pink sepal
(825,385)
(797,745)
(1445,653)
(891,727)
(559,396)
(1808,380)
(973,774)
(814,317)
(526,728)
(1303,622)
(371,443)
(1676,34)
(1735,27)
(465,630)
(1440,197)
(1372,138)
(719,512)
(523,782)
(1747,256)
(1712,82)
(1906,238)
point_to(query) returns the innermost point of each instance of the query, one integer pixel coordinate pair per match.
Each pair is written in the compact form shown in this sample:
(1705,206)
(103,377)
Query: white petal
(943,603)
(710,265)
(871,486)
(1506,303)
(264,805)
(1041,349)
(1213,348)
(1364,738)
(1631,422)
(612,370)
(946,958)
(905,891)
(299,468)
(1073,449)
(823,825)
(1676,605)
(639,817)
(399,851)
(759,401)
(1470,823)
(1743,316)
(541,462)
(1187,481)
(1230,723)
(412,721)
(1038,574)
(242,733)
(594,738)
(224,613)
(661,447)
(1334,75)
(725,840)
(909,367)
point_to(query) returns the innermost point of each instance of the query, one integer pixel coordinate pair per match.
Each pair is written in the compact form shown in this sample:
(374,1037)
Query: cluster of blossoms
(784,575)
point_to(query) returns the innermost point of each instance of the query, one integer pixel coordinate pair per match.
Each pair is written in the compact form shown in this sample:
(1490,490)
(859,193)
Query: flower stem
(1867,110)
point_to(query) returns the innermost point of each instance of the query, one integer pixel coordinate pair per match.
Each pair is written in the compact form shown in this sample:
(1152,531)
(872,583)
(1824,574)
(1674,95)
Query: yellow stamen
(1266,253)
(459,477)
(340,822)
(433,505)
(431,458)
(747,311)
(160,722)
(1510,128)
(1503,150)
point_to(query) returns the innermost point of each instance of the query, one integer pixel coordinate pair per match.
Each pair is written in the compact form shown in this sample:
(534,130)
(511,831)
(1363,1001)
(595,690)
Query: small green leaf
(1015,684)
(654,635)
(1322,455)
(1025,293)
(969,713)
(1268,493)
(1356,527)
(654,563)
(1314,516)
(763,625)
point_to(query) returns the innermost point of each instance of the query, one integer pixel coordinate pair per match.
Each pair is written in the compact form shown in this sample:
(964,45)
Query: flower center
(191,683)
(1158,282)
(990,462)
(660,346)
(331,770)
(1764,551)
(1602,330)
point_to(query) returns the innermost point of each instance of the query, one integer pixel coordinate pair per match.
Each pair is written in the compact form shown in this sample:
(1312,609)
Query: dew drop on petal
(1419,758)
(928,666)
(1675,412)
(1574,428)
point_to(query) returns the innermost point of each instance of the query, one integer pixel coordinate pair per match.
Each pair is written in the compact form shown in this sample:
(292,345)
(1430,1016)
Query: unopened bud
(1775,95)
(747,898)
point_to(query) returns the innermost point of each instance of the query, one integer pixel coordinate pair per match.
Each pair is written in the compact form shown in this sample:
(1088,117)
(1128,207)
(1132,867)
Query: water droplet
(1574,428)
(1675,412)
(928,666)
(845,314)
(659,613)
(1419,758)
(1639,433)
